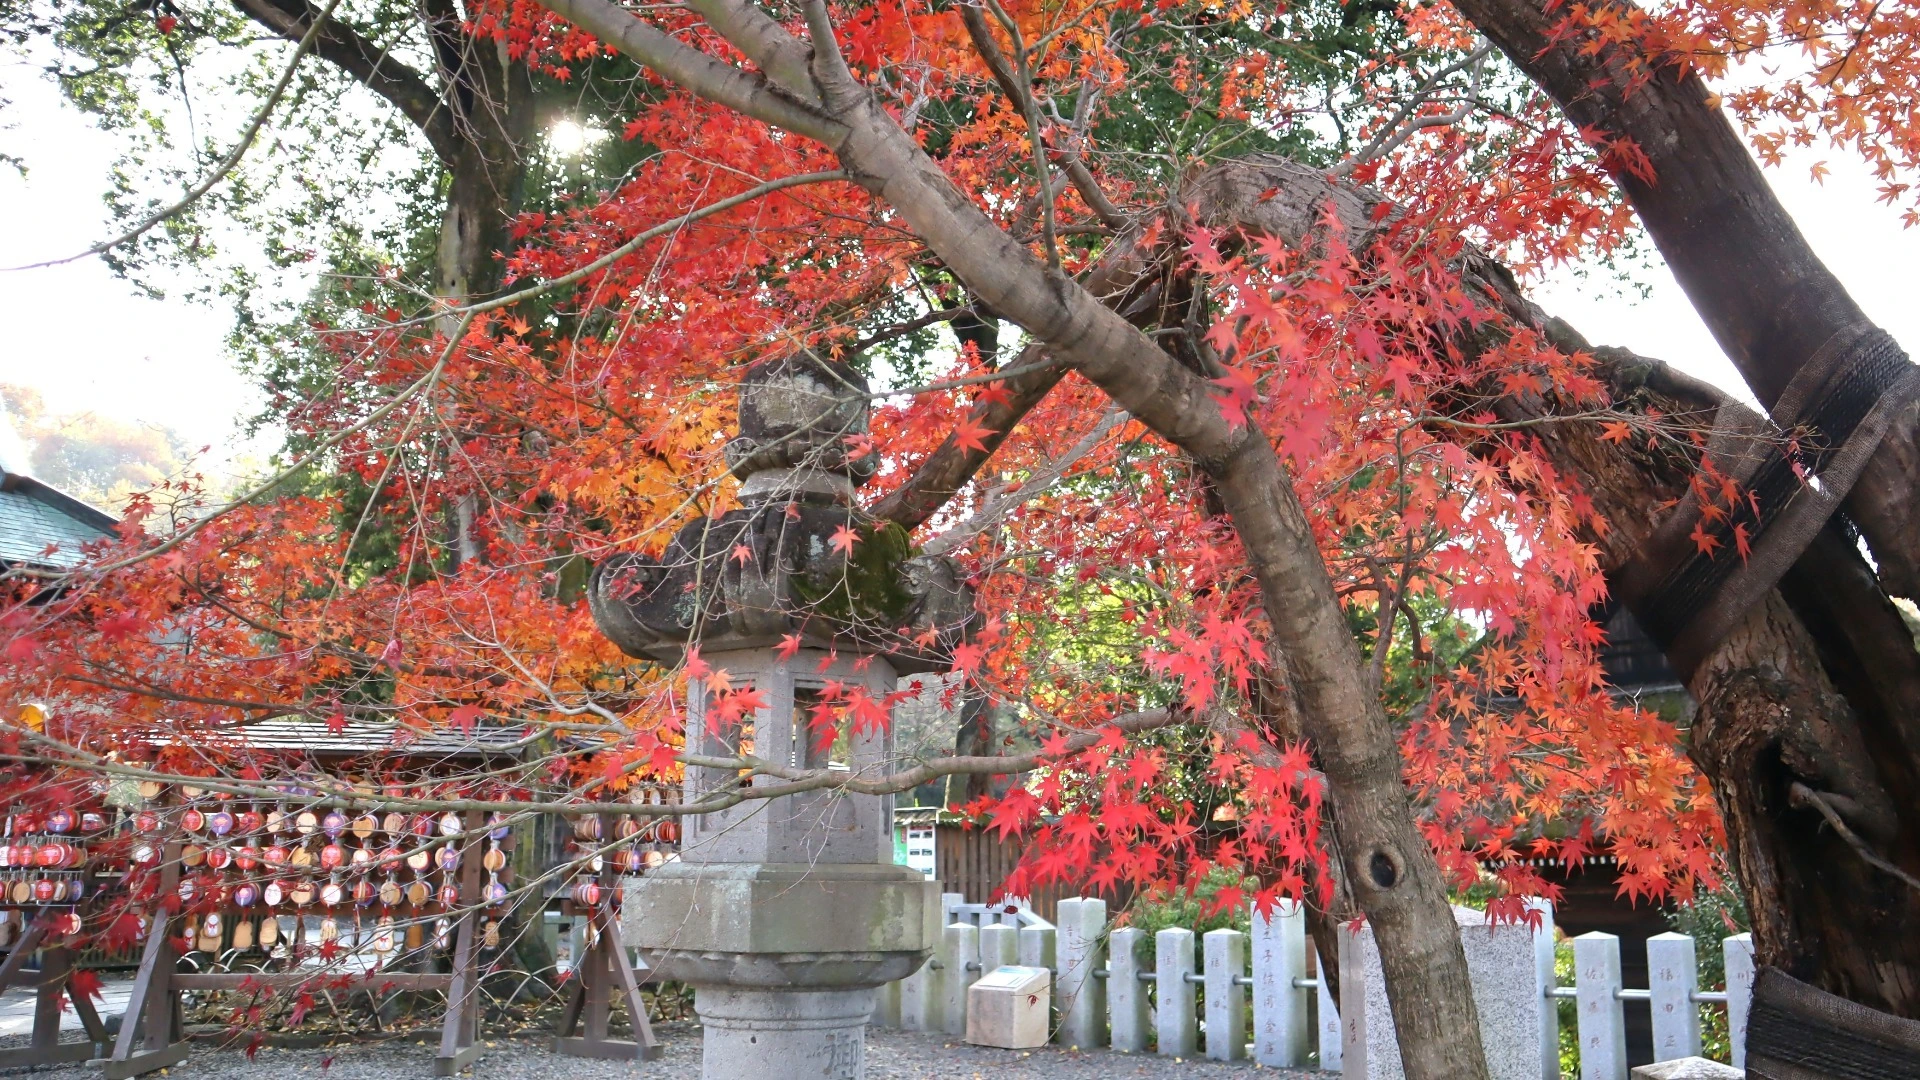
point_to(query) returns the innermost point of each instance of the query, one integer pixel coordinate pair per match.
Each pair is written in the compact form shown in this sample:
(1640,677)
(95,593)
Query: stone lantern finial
(796,459)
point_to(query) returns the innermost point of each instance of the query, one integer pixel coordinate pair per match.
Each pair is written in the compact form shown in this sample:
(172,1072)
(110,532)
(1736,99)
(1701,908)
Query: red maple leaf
(85,982)
(465,717)
(1238,393)
(843,539)
(993,393)
(121,627)
(972,435)
(966,658)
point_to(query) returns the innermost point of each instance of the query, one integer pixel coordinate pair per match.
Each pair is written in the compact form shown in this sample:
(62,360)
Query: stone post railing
(1137,992)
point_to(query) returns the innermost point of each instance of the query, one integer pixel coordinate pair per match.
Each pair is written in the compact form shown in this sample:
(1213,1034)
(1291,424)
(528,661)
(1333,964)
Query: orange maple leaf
(1702,539)
(843,539)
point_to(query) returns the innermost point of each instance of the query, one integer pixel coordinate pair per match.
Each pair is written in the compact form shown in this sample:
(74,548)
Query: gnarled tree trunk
(1768,299)
(1810,708)
(1812,694)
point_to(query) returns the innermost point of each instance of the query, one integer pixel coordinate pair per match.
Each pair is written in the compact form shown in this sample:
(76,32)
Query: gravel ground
(891,1055)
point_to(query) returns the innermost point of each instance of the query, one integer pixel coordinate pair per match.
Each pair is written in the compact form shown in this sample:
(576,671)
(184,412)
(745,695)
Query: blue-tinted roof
(34,516)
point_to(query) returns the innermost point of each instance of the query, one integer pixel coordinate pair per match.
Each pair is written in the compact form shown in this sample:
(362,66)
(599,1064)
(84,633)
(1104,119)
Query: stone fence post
(1126,991)
(1083,999)
(1673,977)
(1279,1001)
(1738,951)
(1603,1024)
(916,997)
(959,950)
(1543,981)
(1329,1017)
(1174,1019)
(1037,946)
(999,946)
(1226,962)
(1503,966)
(886,1009)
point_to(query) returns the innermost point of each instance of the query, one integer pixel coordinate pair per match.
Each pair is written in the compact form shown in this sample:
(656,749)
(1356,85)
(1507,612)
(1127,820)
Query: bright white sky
(87,340)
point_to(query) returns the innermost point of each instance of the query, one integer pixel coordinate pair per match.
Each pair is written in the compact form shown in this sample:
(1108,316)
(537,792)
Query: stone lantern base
(769,1034)
(784,958)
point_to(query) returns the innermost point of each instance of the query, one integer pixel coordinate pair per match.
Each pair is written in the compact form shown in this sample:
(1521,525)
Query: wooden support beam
(145,1061)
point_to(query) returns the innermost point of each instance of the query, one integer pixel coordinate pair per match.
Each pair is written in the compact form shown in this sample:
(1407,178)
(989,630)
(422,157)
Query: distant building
(43,528)
(1637,670)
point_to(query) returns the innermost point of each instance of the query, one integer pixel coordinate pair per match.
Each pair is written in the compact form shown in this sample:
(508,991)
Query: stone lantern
(785,914)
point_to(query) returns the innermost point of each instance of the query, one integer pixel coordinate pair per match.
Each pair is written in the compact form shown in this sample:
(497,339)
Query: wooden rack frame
(151,1034)
(602,971)
(56,966)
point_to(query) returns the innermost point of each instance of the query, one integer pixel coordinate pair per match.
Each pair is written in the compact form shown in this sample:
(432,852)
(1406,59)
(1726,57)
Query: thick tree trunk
(1767,298)
(1817,686)
(491,97)
(1814,687)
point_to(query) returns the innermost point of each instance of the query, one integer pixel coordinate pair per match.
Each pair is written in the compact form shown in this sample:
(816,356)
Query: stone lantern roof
(773,568)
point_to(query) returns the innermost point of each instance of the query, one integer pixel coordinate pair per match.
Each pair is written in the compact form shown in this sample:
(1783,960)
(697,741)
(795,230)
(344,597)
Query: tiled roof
(372,737)
(34,516)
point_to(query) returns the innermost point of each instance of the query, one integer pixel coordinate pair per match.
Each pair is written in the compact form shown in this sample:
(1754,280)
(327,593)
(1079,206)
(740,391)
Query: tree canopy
(1199,337)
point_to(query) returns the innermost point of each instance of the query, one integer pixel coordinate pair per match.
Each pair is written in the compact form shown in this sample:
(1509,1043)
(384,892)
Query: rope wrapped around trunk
(1793,472)
(1800,1032)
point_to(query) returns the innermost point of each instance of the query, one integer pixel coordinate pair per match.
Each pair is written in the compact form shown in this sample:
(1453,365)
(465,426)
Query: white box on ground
(1687,1068)
(1008,1006)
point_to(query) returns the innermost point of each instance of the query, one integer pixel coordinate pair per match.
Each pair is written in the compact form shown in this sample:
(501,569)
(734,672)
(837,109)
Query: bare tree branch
(227,164)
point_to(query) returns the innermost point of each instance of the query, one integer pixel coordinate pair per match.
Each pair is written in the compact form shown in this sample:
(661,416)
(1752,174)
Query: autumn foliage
(424,567)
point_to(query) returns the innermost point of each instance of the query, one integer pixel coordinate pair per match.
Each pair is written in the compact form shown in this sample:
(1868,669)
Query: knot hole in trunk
(1383,868)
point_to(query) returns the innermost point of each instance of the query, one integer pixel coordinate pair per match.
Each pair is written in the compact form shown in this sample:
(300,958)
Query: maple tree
(1289,500)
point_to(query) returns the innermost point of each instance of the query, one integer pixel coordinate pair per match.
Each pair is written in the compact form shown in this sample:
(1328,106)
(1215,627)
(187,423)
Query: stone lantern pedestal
(784,958)
(786,913)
